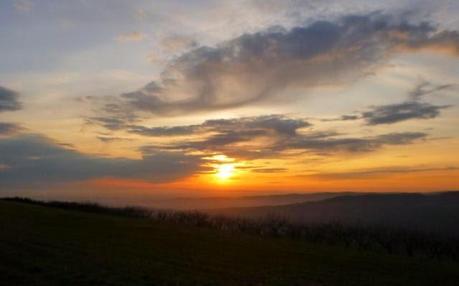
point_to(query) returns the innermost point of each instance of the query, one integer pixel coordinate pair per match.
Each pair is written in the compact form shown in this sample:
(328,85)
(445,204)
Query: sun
(224,171)
(224,167)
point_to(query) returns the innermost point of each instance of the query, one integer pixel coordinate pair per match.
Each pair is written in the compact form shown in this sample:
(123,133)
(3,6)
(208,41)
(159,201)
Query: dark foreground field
(42,245)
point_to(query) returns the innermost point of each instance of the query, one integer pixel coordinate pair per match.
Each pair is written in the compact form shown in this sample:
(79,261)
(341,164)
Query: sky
(134,100)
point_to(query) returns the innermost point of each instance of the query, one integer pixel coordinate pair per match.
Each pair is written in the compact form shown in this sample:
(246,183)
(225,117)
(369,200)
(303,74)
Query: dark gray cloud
(33,159)
(9,100)
(259,66)
(392,113)
(9,128)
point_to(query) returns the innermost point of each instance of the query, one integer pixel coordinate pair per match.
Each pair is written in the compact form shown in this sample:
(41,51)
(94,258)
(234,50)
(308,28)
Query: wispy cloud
(412,108)
(427,88)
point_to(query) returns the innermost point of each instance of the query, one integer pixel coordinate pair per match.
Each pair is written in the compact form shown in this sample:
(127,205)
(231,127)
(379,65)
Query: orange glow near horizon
(211,185)
(222,175)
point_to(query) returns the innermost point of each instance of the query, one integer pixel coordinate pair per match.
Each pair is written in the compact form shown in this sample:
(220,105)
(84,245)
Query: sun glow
(224,171)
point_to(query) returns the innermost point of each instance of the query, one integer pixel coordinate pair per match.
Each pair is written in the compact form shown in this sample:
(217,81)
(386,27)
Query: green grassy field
(48,246)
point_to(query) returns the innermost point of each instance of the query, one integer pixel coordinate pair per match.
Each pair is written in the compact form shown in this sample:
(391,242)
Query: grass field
(41,245)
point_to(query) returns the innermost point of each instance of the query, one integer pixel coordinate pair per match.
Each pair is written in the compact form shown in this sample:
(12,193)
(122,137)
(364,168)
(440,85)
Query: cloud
(442,42)
(269,170)
(8,128)
(131,37)
(413,108)
(33,159)
(109,123)
(258,67)
(256,145)
(346,117)
(266,124)
(30,160)
(392,113)
(163,130)
(325,143)
(109,139)
(349,117)
(426,88)
(269,137)
(9,100)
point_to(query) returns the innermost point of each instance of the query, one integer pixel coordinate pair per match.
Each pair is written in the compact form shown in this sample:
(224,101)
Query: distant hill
(437,212)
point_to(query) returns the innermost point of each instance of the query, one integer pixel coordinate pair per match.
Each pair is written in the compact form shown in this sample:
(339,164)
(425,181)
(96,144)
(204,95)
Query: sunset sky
(132,100)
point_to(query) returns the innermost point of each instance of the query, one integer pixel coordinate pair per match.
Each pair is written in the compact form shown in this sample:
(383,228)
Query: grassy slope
(48,246)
